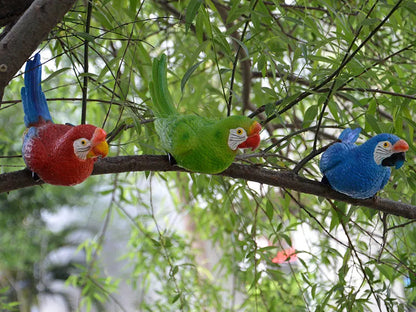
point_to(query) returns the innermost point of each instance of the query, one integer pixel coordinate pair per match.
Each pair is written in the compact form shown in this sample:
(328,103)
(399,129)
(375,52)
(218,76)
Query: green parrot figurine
(196,143)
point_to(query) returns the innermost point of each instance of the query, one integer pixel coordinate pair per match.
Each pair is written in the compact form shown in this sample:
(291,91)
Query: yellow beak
(99,150)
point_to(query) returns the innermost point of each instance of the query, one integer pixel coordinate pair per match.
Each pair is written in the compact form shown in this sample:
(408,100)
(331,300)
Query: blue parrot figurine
(361,171)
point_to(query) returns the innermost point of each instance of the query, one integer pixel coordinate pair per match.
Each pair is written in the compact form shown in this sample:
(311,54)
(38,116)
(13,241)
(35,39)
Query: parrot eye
(382,151)
(236,137)
(81,148)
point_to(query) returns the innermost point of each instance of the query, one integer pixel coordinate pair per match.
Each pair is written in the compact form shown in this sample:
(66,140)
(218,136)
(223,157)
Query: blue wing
(349,135)
(339,152)
(334,155)
(33,98)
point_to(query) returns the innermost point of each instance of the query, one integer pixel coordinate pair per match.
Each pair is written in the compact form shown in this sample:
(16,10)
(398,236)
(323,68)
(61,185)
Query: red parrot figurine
(59,154)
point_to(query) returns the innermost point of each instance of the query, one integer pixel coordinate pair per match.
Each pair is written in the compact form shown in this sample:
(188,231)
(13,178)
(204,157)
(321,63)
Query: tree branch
(11,10)
(285,179)
(26,35)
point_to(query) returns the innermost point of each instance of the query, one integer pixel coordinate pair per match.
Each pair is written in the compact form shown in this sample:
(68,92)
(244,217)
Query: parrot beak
(398,157)
(253,140)
(99,144)
(400,146)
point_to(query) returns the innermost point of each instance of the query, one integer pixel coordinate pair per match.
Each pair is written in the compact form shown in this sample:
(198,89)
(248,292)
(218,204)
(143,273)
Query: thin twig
(122,127)
(400,225)
(11,156)
(86,58)
(292,134)
(237,55)
(311,155)
(385,229)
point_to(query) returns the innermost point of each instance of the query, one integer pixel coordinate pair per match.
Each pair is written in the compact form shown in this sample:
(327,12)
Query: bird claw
(172,160)
(35,177)
(325,180)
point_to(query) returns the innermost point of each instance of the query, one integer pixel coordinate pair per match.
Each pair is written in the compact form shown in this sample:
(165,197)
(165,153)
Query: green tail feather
(162,100)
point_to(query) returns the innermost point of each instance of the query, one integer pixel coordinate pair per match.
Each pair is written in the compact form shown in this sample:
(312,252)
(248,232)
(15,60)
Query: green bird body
(197,143)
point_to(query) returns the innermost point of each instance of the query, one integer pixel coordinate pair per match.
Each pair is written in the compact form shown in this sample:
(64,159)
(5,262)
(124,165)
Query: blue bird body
(361,171)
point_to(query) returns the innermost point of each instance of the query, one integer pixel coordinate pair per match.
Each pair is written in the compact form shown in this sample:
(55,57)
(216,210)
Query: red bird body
(48,154)
(59,154)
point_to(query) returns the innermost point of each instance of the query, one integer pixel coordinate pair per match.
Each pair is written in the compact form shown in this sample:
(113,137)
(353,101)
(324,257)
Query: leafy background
(191,242)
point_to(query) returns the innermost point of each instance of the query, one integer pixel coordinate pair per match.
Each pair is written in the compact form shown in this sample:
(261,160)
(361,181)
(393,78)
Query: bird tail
(349,135)
(162,100)
(33,98)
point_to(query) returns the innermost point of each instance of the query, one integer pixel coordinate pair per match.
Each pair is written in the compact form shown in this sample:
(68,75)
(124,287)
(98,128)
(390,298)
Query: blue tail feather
(33,98)
(349,135)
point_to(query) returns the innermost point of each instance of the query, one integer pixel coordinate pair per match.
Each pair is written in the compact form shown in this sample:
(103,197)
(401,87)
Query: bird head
(245,136)
(389,150)
(93,147)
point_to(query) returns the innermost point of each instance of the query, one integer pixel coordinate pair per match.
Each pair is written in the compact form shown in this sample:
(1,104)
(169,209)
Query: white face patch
(81,148)
(382,151)
(236,137)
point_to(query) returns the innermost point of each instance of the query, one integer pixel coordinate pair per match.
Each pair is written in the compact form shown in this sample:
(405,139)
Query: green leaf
(242,45)
(56,73)
(270,109)
(175,298)
(91,75)
(269,210)
(155,242)
(372,122)
(370,21)
(224,71)
(411,122)
(111,65)
(333,108)
(88,37)
(189,73)
(191,11)
(310,115)
(261,64)
(369,273)
(334,221)
(387,271)
(174,270)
